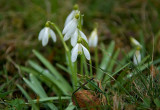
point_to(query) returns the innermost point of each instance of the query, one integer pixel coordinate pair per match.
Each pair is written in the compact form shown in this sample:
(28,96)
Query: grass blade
(28,97)
(51,99)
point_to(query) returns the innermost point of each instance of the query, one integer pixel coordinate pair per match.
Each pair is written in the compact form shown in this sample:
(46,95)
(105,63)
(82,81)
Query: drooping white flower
(71,16)
(74,37)
(44,35)
(78,49)
(70,28)
(93,39)
(137,57)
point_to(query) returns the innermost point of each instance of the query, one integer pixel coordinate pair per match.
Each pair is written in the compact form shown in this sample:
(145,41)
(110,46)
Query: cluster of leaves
(123,83)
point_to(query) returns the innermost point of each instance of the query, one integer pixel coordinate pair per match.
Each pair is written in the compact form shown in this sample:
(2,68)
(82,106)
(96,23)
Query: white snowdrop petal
(136,42)
(73,27)
(74,38)
(69,26)
(95,41)
(74,53)
(67,36)
(91,42)
(45,37)
(53,35)
(83,36)
(69,17)
(86,53)
(44,41)
(71,31)
(41,34)
(137,58)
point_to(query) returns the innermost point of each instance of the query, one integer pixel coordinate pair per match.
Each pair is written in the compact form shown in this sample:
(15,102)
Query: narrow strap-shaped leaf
(42,94)
(52,69)
(47,79)
(36,83)
(112,62)
(105,60)
(41,70)
(28,97)
(63,68)
(70,106)
(51,99)
(59,84)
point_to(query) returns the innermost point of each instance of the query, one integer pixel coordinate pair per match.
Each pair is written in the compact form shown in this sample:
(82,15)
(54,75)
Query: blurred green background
(22,20)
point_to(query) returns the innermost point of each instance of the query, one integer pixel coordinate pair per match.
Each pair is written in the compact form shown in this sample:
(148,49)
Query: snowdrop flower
(137,54)
(44,35)
(74,37)
(78,50)
(70,28)
(93,39)
(137,57)
(70,16)
(135,42)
